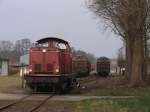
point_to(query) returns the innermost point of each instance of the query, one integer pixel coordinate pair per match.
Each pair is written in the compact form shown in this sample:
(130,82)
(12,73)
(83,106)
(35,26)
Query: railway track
(41,104)
(14,103)
(35,108)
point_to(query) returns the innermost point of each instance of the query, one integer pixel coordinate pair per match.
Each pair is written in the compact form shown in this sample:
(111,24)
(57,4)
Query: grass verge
(141,104)
(120,91)
(10,83)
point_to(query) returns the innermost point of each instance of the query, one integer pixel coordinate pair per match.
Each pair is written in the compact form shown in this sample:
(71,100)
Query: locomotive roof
(43,40)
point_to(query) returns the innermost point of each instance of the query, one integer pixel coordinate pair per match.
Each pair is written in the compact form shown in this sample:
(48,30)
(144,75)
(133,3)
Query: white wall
(4,69)
(24,59)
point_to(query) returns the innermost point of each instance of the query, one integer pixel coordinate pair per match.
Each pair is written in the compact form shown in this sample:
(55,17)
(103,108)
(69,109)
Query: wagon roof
(43,40)
(103,58)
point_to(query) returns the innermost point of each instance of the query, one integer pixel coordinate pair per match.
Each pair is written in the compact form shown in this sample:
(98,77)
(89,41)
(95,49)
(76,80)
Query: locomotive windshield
(42,44)
(55,45)
(62,46)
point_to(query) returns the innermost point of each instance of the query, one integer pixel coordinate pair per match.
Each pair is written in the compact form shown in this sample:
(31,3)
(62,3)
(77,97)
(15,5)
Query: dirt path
(6,96)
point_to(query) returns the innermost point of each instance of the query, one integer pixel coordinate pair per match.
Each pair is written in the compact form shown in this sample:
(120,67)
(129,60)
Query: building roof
(43,40)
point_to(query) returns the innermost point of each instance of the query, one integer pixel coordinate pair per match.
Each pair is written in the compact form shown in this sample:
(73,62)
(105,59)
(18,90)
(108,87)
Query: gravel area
(38,97)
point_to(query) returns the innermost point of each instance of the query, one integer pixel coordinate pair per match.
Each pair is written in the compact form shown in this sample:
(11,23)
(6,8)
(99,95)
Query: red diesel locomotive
(50,65)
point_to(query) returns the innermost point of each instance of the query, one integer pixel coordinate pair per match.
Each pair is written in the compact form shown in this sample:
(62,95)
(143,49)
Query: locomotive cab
(50,57)
(50,65)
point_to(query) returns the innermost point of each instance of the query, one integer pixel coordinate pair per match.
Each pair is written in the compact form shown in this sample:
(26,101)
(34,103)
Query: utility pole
(22,72)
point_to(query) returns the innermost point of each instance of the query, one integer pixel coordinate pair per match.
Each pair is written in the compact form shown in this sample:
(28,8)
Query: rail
(22,99)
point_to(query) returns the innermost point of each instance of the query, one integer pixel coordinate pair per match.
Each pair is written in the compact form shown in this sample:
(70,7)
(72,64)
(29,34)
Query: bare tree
(22,46)
(131,20)
(13,51)
(6,47)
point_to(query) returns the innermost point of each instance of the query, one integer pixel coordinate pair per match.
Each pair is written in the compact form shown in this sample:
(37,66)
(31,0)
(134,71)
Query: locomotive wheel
(35,88)
(64,87)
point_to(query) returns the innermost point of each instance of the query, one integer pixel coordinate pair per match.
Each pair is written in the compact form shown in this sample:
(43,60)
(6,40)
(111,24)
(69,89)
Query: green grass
(120,91)
(10,83)
(141,104)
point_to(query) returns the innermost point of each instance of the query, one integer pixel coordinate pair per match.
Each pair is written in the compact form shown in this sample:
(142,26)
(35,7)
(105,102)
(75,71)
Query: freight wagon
(103,66)
(81,66)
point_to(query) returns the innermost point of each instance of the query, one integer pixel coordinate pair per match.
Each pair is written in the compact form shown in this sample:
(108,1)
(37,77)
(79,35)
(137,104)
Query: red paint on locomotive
(49,58)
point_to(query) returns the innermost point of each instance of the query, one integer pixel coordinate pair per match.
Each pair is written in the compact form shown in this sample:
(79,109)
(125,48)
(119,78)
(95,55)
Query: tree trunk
(128,61)
(137,63)
(145,59)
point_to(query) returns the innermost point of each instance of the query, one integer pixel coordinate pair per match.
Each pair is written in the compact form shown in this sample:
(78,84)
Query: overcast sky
(67,19)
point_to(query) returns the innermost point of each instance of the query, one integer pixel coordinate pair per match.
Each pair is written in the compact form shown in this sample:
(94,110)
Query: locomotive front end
(50,65)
